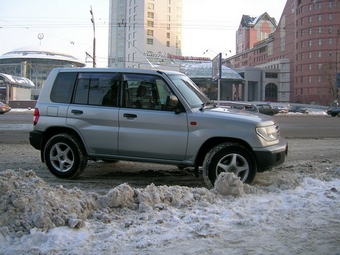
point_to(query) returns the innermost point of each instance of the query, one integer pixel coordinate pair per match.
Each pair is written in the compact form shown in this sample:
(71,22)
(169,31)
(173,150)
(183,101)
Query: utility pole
(94,38)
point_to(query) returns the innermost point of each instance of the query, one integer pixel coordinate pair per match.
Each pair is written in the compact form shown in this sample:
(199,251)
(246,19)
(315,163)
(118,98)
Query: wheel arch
(212,142)
(52,131)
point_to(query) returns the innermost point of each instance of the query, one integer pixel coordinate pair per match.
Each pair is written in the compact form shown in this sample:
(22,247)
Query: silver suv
(147,116)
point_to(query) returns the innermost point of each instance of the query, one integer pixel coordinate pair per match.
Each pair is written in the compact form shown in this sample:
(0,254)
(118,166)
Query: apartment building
(144,32)
(300,59)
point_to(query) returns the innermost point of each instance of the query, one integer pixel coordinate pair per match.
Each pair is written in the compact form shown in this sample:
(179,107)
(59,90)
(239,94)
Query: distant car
(4,108)
(239,106)
(334,111)
(299,109)
(267,109)
(281,109)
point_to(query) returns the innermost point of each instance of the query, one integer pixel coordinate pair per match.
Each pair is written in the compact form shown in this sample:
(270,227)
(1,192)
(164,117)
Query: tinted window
(97,89)
(63,87)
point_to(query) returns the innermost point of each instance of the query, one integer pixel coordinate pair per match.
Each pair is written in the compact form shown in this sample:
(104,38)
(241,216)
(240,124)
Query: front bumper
(271,156)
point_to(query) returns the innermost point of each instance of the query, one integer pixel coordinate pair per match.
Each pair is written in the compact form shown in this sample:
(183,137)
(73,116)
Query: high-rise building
(300,59)
(142,31)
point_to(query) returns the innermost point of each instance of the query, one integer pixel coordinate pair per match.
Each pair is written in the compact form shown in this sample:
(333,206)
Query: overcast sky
(66,25)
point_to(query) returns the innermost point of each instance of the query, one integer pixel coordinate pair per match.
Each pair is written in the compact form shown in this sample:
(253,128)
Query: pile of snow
(233,218)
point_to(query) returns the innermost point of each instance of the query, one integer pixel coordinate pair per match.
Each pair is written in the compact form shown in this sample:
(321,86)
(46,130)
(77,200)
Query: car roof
(118,70)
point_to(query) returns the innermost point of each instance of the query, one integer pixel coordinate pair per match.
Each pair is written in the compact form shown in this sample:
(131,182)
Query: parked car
(281,109)
(239,106)
(334,111)
(267,109)
(92,113)
(4,108)
(299,109)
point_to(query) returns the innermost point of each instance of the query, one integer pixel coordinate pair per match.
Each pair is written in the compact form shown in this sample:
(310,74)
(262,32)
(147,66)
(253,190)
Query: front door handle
(77,112)
(130,115)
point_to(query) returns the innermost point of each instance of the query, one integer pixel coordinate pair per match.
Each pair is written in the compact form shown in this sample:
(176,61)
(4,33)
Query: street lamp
(94,38)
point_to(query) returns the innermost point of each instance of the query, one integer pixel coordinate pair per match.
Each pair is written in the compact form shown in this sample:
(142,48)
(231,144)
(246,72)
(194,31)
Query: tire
(229,157)
(338,114)
(65,156)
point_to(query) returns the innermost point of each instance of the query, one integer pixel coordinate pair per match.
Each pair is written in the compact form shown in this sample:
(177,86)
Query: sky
(209,26)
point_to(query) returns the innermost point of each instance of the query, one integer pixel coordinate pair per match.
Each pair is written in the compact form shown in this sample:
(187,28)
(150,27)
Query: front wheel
(231,158)
(65,157)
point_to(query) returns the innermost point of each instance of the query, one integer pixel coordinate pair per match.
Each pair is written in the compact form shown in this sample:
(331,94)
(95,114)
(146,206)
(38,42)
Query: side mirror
(172,101)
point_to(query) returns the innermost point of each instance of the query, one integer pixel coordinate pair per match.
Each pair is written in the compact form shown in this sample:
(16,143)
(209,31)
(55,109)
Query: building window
(151,15)
(310,67)
(149,41)
(330,5)
(150,32)
(168,26)
(320,30)
(310,43)
(310,19)
(310,54)
(330,41)
(310,79)
(271,75)
(330,16)
(330,53)
(151,6)
(150,23)
(330,29)
(310,31)
(320,54)
(167,44)
(320,41)
(319,17)
(168,35)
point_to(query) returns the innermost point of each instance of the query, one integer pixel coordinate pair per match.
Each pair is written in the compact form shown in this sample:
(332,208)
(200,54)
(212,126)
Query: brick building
(298,61)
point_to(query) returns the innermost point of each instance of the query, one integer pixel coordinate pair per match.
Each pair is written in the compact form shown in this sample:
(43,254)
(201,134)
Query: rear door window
(97,89)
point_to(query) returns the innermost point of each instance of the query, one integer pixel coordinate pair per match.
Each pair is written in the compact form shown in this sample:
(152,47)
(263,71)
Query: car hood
(241,115)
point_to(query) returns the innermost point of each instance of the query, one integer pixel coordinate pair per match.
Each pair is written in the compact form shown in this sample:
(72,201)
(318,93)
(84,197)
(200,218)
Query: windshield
(189,90)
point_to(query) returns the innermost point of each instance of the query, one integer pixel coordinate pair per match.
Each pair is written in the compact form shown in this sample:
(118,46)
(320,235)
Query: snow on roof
(204,70)
(251,21)
(17,81)
(38,52)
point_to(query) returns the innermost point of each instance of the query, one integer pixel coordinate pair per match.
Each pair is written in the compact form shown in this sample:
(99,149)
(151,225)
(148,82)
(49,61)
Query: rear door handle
(77,112)
(130,115)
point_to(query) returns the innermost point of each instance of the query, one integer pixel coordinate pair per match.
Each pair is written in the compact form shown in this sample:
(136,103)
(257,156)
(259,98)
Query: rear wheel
(231,158)
(338,114)
(65,156)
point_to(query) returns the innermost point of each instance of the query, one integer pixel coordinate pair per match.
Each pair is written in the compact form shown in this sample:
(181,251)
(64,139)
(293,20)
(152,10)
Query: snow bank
(233,218)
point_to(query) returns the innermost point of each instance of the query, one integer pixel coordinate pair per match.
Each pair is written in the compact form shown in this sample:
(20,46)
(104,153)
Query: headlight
(269,133)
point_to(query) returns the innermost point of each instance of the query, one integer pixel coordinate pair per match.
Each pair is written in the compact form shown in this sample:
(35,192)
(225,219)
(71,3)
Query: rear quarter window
(63,88)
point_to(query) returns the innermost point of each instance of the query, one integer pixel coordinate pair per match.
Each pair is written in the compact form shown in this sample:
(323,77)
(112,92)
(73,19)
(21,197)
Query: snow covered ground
(288,216)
